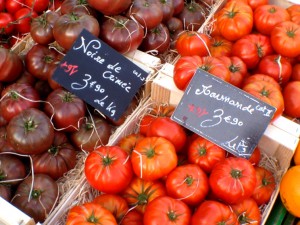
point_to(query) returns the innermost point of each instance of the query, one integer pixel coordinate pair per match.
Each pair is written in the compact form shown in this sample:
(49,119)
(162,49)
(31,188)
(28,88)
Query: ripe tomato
(108,169)
(296,72)
(233,179)
(285,39)
(23,18)
(69,6)
(265,185)
(167,128)
(294,11)
(267,16)
(11,65)
(255,157)
(145,123)
(39,6)
(220,46)
(128,142)
(178,6)
(88,213)
(139,193)
(234,20)
(109,8)
(133,217)
(7,24)
(247,212)
(13,6)
(256,3)
(167,8)
(167,210)
(188,183)
(292,102)
(261,77)
(213,212)
(191,43)
(153,158)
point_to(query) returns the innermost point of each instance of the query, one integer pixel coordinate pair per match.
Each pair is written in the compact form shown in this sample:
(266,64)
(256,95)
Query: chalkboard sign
(100,75)
(223,114)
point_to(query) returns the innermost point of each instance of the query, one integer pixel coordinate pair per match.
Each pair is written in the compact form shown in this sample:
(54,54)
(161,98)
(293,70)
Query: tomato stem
(53,150)
(36,193)
(67,97)
(189,180)
(202,150)
(92,218)
(14,95)
(172,215)
(29,125)
(236,173)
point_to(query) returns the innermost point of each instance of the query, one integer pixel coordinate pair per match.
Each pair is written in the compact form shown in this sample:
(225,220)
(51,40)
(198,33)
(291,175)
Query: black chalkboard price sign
(100,75)
(223,114)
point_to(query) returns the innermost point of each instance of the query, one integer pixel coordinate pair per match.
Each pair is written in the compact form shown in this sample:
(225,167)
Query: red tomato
(285,39)
(251,48)
(191,43)
(256,3)
(205,154)
(153,158)
(23,19)
(108,169)
(145,123)
(265,185)
(188,183)
(267,16)
(39,6)
(291,98)
(133,217)
(13,6)
(294,11)
(7,23)
(255,157)
(247,212)
(220,47)
(233,180)
(88,213)
(234,20)
(261,77)
(128,142)
(296,72)
(139,193)
(167,210)
(213,212)
(167,128)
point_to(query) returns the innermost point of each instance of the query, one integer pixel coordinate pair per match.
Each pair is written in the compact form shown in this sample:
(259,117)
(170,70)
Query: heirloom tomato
(188,183)
(205,154)
(133,217)
(265,185)
(234,20)
(247,212)
(255,157)
(11,65)
(12,169)
(58,159)
(261,77)
(256,3)
(153,158)
(128,142)
(107,169)
(220,46)
(108,7)
(145,123)
(90,213)
(178,6)
(36,196)
(213,212)
(139,193)
(82,6)
(23,18)
(294,11)
(191,43)
(5,146)
(233,179)
(267,16)
(6,192)
(167,8)
(285,39)
(292,102)
(296,72)
(168,211)
(167,128)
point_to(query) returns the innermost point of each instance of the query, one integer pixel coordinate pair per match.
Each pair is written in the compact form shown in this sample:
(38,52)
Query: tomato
(139,193)
(255,157)
(110,8)
(213,212)
(6,192)
(167,128)
(2,5)
(252,48)
(162,110)
(12,169)
(294,11)
(41,61)
(277,67)
(11,65)
(178,6)
(285,39)
(65,109)
(92,133)
(26,78)
(121,33)
(153,158)
(261,77)
(156,40)
(67,28)
(247,212)
(220,46)
(205,154)
(265,185)
(188,183)
(256,3)
(233,179)
(191,43)
(55,4)
(90,213)
(36,196)
(39,6)
(30,132)
(268,93)
(295,72)
(145,123)
(82,6)
(147,13)
(296,156)
(292,102)
(168,211)
(267,16)
(23,18)
(58,159)
(42,27)
(133,217)
(116,204)
(5,146)
(7,23)
(186,66)
(17,97)
(234,20)
(237,67)
(128,142)
(108,169)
